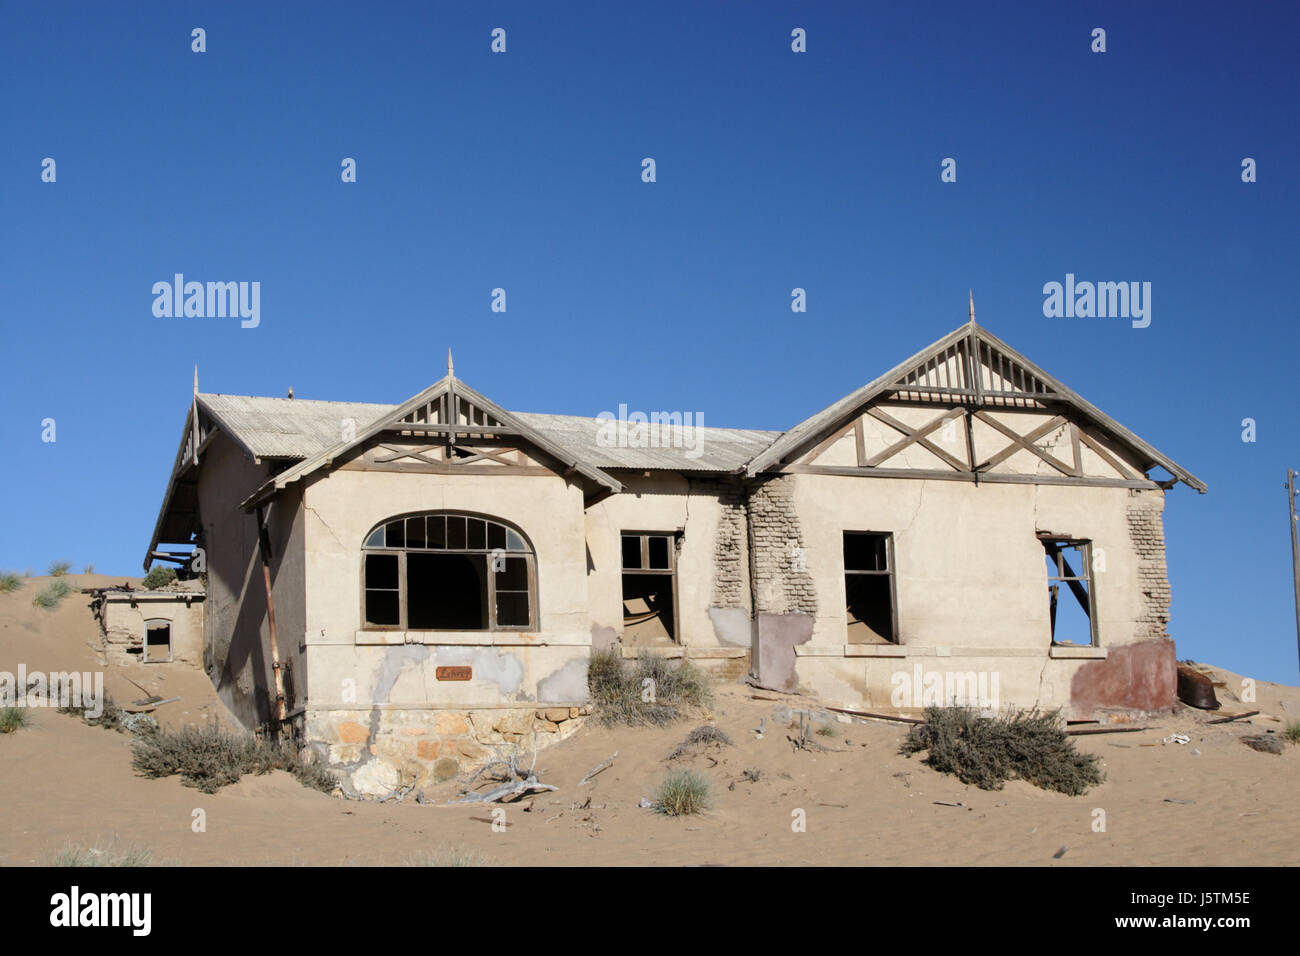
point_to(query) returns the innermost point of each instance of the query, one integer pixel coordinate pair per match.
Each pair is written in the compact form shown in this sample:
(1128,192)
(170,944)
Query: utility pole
(1295,549)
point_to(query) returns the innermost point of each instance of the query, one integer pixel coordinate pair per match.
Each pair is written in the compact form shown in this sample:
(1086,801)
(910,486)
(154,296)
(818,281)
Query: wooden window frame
(1085,555)
(528,554)
(889,571)
(674,543)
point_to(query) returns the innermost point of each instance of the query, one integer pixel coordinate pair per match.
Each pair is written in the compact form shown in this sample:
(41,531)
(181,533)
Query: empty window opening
(1070,596)
(446,592)
(157,642)
(649,588)
(870,609)
(448,572)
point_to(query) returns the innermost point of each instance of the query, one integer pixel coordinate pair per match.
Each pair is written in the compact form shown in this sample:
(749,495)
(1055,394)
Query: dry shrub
(1026,745)
(113,717)
(619,689)
(210,758)
(701,738)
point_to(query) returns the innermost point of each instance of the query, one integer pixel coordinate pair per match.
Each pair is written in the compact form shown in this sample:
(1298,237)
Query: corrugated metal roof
(297,428)
(667,447)
(288,427)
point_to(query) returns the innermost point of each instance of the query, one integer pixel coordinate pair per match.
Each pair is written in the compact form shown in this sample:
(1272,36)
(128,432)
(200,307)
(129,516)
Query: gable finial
(972,306)
(196,379)
(451,369)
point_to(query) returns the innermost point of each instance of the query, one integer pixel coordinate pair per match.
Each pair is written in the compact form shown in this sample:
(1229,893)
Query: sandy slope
(66,782)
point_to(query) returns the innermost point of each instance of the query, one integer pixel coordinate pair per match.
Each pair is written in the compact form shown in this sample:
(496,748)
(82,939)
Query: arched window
(448,571)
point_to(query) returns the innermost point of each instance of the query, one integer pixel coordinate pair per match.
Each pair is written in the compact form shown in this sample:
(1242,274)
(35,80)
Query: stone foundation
(375,752)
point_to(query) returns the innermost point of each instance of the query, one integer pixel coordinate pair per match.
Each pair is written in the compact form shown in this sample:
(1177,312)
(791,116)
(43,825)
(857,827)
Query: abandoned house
(159,626)
(405,584)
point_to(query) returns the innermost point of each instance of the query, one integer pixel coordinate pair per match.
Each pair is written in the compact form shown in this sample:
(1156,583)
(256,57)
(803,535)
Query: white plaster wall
(969,569)
(662,502)
(342,508)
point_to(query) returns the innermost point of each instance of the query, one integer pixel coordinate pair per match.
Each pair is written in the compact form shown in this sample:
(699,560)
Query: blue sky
(775,170)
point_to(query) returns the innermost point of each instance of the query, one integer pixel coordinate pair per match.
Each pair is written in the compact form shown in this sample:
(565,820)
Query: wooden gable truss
(447,428)
(970,408)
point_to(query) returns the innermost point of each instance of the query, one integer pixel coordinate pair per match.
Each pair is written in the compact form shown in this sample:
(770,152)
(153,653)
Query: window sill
(473,638)
(850,650)
(1077,652)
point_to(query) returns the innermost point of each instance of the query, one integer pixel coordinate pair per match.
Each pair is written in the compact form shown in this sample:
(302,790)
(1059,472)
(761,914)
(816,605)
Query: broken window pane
(438,575)
(513,576)
(446,592)
(383,605)
(648,616)
(870,615)
(1069,592)
(381,571)
(631,551)
(659,552)
(865,551)
(512,609)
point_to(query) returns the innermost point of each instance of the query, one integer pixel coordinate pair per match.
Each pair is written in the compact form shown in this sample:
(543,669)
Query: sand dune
(1210,802)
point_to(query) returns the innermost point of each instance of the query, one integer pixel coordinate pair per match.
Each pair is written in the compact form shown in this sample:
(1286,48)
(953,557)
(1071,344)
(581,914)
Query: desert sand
(1210,802)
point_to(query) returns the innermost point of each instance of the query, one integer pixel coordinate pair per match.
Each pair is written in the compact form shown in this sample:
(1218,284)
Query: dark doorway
(157,642)
(446,592)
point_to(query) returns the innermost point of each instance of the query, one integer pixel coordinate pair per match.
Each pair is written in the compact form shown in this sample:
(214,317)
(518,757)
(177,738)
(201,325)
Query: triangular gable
(970,367)
(448,409)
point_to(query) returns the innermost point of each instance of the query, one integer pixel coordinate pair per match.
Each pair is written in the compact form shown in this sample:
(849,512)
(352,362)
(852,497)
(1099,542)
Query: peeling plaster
(603,638)
(565,686)
(731,626)
(500,667)
(777,636)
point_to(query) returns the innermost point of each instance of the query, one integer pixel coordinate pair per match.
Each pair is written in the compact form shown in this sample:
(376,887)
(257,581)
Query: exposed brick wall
(774,534)
(1147,529)
(730,574)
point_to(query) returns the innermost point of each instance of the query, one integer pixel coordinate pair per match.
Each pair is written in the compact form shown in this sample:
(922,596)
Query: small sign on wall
(454,673)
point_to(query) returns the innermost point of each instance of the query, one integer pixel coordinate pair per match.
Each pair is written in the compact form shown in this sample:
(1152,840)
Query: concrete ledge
(312,707)
(472,638)
(875,650)
(1077,653)
(671,651)
(716,653)
(691,653)
(915,651)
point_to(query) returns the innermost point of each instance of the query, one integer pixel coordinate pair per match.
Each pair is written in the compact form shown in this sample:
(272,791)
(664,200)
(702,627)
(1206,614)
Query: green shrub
(12,718)
(10,581)
(53,594)
(210,758)
(60,568)
(649,690)
(88,569)
(682,794)
(1027,745)
(1291,733)
(159,575)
